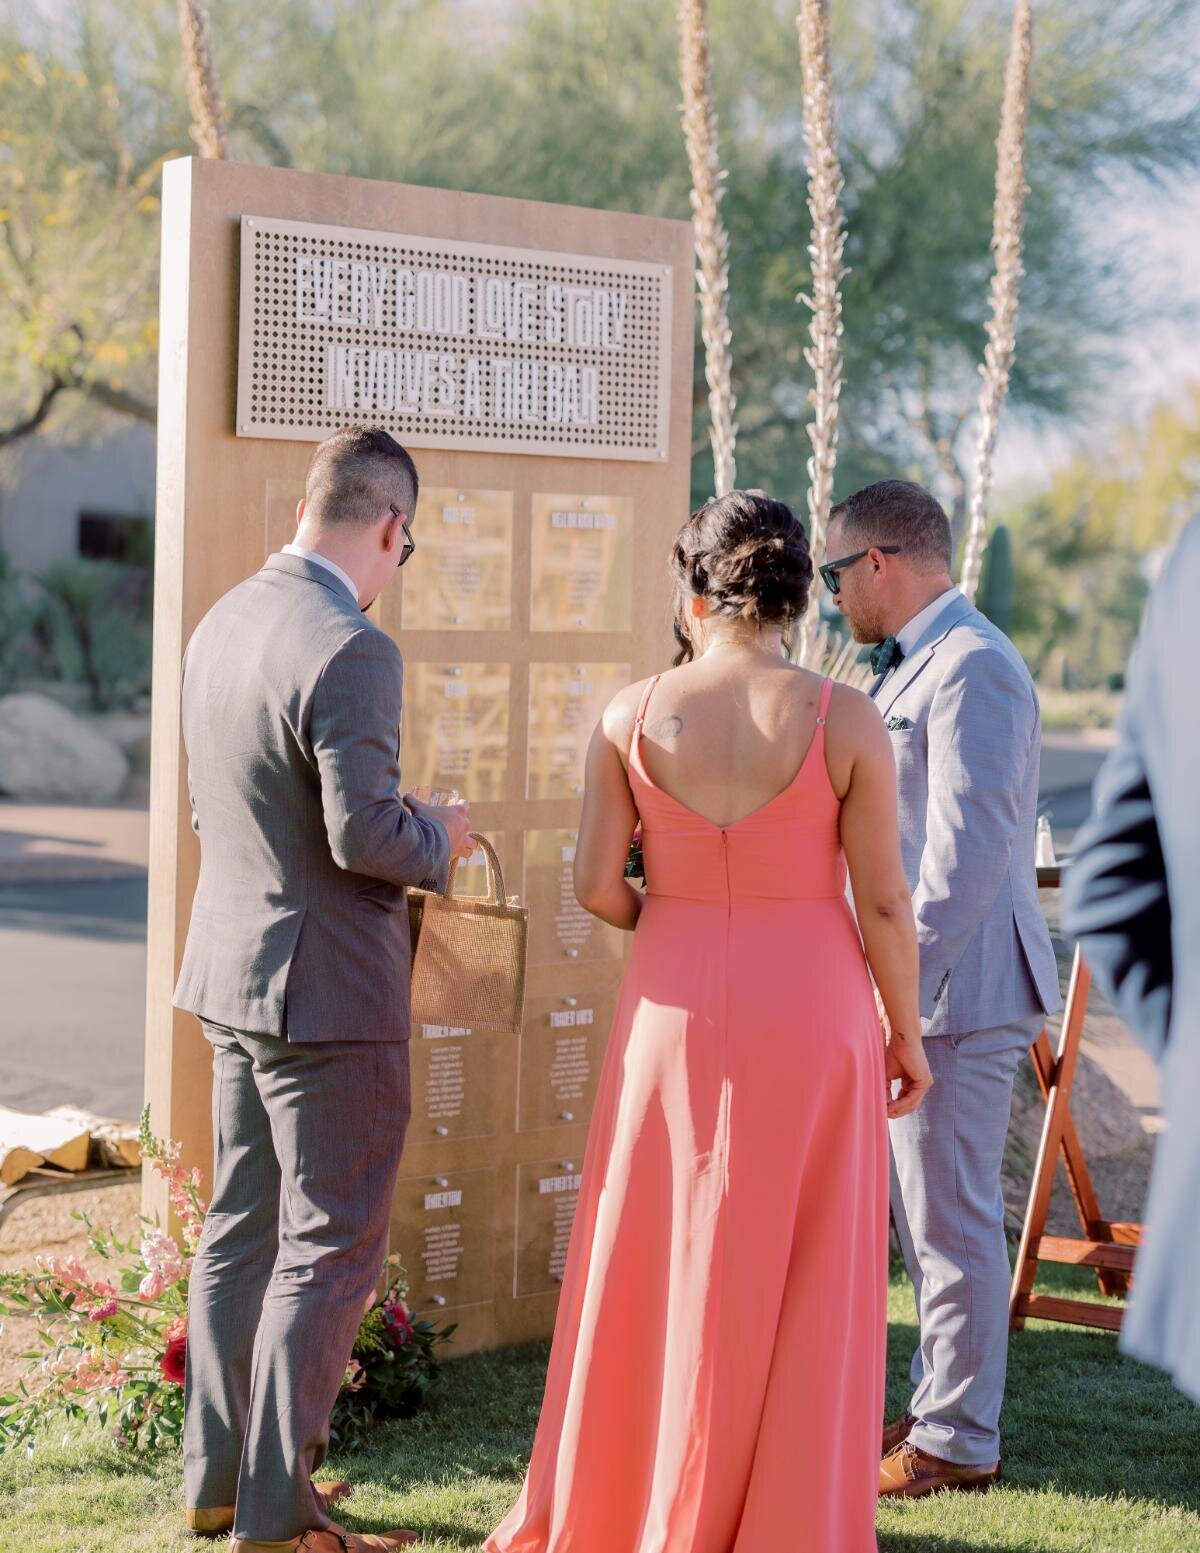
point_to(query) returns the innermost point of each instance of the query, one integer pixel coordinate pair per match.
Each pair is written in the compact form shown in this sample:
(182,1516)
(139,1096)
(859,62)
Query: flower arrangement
(635,863)
(393,1369)
(112,1346)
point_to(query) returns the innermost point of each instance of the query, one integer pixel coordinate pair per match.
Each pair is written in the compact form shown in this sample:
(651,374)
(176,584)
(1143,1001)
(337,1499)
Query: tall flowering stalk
(709,234)
(1008,219)
(203,89)
(112,1347)
(824,353)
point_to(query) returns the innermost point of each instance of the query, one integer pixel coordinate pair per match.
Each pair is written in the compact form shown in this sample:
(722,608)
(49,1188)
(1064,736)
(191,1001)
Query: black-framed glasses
(410,543)
(831,570)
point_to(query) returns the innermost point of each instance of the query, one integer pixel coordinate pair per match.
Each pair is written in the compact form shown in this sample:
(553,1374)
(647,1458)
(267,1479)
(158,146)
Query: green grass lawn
(1101,1456)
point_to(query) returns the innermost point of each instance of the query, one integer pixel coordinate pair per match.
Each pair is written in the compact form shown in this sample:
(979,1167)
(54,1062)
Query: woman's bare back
(726,734)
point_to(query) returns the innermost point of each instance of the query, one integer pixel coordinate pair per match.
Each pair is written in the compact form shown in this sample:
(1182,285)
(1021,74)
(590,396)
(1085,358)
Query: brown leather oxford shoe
(897,1432)
(911,1473)
(218,1522)
(332,1540)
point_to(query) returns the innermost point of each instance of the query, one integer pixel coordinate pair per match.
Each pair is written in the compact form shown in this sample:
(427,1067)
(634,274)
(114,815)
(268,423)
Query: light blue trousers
(949,1213)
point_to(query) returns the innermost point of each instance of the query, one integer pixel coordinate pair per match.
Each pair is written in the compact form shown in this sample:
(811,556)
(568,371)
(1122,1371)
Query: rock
(129,730)
(48,753)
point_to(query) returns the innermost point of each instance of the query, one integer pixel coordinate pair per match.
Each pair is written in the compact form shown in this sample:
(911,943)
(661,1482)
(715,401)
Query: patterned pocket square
(898,724)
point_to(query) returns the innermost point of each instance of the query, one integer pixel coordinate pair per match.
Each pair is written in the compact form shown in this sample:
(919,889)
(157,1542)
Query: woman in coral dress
(716,1377)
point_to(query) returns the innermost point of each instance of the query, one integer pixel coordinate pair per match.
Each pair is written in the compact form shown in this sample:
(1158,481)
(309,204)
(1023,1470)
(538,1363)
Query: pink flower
(152,1286)
(355,1377)
(165,1265)
(398,1321)
(95,1372)
(182,1191)
(174,1329)
(92,1297)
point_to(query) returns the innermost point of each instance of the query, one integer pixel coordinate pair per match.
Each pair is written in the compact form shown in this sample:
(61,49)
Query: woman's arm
(608,822)
(871,842)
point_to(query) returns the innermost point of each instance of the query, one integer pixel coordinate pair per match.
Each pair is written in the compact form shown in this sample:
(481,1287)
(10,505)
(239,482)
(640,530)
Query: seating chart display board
(582,557)
(538,361)
(566,701)
(467,586)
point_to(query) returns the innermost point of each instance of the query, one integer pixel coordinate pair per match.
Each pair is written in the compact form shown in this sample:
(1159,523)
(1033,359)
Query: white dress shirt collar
(330,566)
(908,636)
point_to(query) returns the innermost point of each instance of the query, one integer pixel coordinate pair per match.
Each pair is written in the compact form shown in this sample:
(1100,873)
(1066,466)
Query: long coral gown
(716,1378)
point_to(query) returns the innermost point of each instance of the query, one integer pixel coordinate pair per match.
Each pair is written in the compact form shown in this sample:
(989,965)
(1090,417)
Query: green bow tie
(887,655)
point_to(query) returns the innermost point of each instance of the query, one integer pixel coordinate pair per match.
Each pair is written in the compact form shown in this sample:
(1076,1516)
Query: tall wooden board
(538,588)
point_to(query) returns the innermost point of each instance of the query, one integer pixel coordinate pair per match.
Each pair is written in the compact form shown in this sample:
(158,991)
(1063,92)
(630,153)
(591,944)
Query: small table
(47,1182)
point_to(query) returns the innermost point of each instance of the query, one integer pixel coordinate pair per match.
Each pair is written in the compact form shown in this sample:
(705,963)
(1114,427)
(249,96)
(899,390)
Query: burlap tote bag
(469,954)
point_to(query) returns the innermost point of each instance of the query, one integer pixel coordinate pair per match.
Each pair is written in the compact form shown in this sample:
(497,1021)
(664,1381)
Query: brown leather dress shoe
(218,1522)
(897,1432)
(332,1540)
(911,1473)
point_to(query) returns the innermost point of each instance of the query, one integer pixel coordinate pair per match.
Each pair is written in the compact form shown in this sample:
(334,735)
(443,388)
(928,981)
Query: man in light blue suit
(1133,900)
(966,733)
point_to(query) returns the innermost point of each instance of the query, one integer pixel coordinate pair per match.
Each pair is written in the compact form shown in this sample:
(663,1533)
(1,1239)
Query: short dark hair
(356,473)
(897,512)
(748,555)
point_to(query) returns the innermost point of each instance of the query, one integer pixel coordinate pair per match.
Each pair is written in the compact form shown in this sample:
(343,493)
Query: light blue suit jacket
(1133,898)
(966,732)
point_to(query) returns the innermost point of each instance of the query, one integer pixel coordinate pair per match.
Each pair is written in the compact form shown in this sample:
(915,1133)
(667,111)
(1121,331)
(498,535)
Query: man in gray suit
(1133,898)
(297,964)
(966,733)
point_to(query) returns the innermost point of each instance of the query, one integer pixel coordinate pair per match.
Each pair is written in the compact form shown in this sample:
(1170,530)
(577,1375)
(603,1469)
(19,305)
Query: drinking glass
(437,796)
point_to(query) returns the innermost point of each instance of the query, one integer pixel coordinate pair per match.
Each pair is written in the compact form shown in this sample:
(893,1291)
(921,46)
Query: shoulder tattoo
(666,728)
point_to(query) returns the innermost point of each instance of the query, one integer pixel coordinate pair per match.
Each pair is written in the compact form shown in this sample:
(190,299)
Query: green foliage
(92,622)
(1079,599)
(80,154)
(394,1370)
(16,617)
(112,1345)
(577,101)
(997,582)
(1079,546)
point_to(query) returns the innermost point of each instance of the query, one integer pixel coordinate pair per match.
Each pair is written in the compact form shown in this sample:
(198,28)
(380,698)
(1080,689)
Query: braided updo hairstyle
(747,555)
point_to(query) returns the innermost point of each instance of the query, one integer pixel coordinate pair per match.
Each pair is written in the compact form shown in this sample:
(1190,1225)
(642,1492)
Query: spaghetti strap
(823,711)
(644,703)
(635,753)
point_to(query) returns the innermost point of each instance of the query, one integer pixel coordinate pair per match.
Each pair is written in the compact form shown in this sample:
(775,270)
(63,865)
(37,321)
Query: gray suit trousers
(307,1142)
(949,1213)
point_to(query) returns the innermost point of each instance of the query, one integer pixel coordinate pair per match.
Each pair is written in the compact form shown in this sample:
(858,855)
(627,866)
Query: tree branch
(30,423)
(121,400)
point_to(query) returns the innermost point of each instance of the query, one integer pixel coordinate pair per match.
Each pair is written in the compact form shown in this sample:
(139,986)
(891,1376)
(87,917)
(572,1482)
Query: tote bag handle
(495,873)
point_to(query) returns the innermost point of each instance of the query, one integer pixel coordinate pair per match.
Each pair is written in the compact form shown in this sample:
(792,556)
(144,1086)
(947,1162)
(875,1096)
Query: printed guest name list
(460,378)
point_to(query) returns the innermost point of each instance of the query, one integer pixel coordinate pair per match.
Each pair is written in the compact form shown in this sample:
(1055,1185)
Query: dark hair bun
(747,555)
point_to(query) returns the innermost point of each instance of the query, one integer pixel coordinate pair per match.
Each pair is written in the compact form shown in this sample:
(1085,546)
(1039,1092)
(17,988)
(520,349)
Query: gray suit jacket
(966,732)
(291,714)
(1133,899)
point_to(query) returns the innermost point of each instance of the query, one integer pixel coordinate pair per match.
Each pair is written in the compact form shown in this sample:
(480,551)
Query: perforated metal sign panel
(451,344)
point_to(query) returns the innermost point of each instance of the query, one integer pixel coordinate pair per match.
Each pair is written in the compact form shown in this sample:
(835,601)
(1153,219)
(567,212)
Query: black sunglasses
(830,571)
(410,543)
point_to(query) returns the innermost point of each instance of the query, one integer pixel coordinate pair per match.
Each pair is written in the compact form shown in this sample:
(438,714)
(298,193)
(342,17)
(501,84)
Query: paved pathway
(72,957)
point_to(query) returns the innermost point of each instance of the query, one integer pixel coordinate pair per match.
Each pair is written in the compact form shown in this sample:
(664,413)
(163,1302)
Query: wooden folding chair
(1107,1246)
